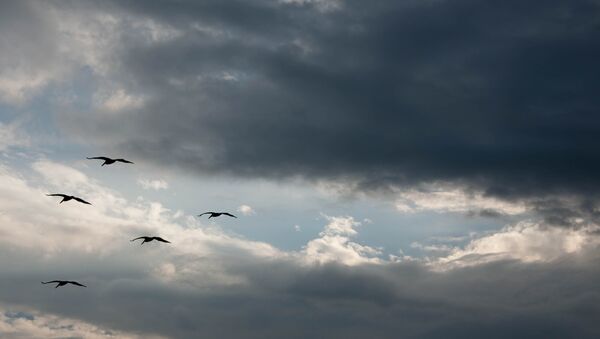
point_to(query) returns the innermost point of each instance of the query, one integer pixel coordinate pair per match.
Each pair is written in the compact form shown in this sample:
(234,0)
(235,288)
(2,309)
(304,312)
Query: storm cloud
(497,96)
(439,107)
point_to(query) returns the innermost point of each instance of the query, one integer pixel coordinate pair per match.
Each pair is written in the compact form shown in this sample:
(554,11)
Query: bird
(63,283)
(217,214)
(68,197)
(149,239)
(108,161)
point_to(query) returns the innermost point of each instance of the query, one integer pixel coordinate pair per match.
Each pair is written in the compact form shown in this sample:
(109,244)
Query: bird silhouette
(108,161)
(66,197)
(60,283)
(217,214)
(149,239)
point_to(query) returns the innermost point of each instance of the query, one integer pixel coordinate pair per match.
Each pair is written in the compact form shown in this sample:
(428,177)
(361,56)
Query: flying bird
(60,283)
(217,214)
(149,239)
(108,161)
(68,197)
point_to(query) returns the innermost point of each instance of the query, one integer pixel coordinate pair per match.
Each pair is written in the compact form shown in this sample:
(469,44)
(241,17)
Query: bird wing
(51,282)
(229,214)
(205,213)
(161,239)
(81,200)
(76,283)
(137,238)
(124,160)
(57,195)
(100,158)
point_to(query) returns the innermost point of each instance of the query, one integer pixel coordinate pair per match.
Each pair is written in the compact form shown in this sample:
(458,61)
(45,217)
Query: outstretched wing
(229,214)
(76,283)
(81,200)
(99,158)
(51,282)
(205,213)
(161,239)
(124,160)
(137,238)
(57,195)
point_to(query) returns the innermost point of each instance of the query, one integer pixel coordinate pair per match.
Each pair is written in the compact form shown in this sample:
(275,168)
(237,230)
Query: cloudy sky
(399,169)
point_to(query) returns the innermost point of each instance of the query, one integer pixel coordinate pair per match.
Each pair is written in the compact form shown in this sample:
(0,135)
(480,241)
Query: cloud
(14,325)
(158,184)
(11,136)
(431,248)
(207,280)
(524,241)
(492,114)
(382,97)
(118,100)
(388,95)
(439,198)
(30,59)
(322,5)
(334,245)
(246,210)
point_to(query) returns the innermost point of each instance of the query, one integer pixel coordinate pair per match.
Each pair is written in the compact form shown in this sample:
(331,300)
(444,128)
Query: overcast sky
(399,169)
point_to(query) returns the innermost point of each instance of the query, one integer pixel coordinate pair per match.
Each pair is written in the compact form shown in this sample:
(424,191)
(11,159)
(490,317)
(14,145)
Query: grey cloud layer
(280,299)
(501,96)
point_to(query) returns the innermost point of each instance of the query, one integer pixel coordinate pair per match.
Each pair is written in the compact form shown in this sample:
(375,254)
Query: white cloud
(446,198)
(114,219)
(321,5)
(228,76)
(334,244)
(16,86)
(431,248)
(246,210)
(44,43)
(11,135)
(118,100)
(525,241)
(158,184)
(35,325)
(48,228)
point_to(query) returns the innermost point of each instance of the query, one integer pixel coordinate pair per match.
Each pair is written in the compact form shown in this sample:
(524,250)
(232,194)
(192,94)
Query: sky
(399,169)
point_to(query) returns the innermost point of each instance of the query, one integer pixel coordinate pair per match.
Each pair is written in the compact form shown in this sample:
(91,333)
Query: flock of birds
(145,239)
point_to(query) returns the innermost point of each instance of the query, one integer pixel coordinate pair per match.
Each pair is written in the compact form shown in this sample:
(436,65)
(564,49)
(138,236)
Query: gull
(149,239)
(217,214)
(108,161)
(63,283)
(68,197)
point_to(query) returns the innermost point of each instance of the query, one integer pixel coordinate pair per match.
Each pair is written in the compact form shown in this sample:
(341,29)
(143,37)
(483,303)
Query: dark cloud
(571,211)
(500,96)
(281,298)
(494,96)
